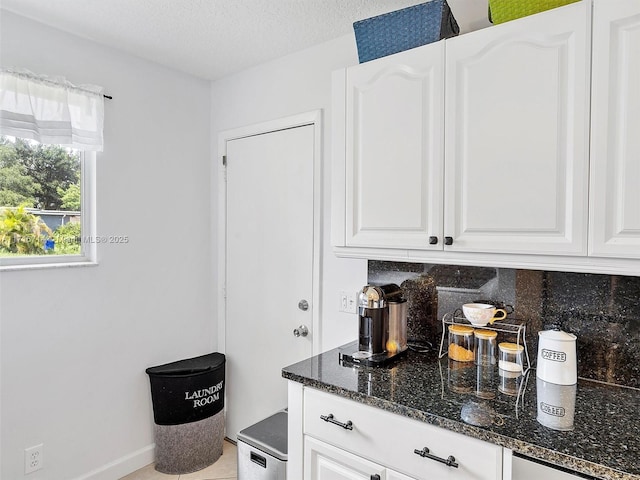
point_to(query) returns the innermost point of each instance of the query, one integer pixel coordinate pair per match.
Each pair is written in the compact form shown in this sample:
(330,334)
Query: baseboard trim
(122,466)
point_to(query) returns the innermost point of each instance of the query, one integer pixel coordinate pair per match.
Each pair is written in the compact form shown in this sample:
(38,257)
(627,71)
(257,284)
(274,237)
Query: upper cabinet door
(516,145)
(393,148)
(615,130)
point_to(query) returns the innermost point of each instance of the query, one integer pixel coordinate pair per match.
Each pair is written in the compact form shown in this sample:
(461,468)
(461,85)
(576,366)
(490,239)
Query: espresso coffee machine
(382,326)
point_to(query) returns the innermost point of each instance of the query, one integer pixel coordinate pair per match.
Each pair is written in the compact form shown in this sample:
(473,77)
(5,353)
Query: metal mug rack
(510,325)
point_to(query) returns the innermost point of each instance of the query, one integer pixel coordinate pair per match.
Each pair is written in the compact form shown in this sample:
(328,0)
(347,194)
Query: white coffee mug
(480,314)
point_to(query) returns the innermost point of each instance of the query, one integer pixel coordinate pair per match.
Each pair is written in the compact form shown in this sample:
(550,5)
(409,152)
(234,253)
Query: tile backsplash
(603,311)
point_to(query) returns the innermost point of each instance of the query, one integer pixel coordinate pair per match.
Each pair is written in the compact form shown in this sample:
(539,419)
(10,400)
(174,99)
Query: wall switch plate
(33,458)
(348,302)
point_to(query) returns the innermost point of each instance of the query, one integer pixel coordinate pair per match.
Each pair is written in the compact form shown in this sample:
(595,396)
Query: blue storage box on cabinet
(403,29)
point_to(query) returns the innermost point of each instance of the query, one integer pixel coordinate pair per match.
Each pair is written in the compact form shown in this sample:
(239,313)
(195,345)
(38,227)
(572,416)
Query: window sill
(44,266)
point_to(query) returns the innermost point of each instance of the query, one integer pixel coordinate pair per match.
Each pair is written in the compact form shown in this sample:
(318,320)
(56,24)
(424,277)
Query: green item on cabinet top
(501,11)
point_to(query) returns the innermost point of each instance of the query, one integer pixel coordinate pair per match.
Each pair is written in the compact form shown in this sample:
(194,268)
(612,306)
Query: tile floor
(226,467)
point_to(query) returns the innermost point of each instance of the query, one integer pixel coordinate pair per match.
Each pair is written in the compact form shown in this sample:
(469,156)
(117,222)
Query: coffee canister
(461,343)
(484,347)
(557,357)
(510,367)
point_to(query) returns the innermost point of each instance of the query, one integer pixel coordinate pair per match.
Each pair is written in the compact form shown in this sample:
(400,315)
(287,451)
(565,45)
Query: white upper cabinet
(394,135)
(615,130)
(516,135)
(516,145)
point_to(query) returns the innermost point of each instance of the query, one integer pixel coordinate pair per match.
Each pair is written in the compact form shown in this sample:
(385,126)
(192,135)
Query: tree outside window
(40,198)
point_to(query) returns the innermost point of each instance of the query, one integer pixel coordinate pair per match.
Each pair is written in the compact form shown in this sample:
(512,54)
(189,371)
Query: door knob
(303,305)
(301,331)
(448,240)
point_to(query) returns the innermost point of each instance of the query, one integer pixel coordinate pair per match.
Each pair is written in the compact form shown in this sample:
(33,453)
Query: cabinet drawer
(390,440)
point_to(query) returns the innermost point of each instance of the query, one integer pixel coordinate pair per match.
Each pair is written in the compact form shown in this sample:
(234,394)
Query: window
(44,210)
(49,131)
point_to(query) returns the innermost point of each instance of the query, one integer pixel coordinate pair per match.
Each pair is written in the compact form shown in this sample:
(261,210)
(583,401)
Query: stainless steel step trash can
(188,410)
(262,449)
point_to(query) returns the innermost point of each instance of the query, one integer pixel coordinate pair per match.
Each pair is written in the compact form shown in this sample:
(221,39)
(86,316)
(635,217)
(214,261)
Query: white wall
(298,83)
(74,343)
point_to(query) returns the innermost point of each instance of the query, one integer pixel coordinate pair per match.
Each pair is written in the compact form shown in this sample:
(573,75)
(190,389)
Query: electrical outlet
(348,302)
(33,458)
(343,301)
(351,304)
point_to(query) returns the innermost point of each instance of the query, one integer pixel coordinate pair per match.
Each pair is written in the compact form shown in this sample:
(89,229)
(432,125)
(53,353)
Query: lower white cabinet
(391,475)
(344,439)
(325,462)
(527,470)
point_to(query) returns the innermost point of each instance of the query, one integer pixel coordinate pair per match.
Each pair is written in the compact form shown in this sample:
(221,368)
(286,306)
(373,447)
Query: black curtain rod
(108,96)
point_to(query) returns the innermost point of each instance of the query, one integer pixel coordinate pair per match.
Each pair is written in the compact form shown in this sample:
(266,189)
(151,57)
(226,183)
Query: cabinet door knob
(375,477)
(433,240)
(448,240)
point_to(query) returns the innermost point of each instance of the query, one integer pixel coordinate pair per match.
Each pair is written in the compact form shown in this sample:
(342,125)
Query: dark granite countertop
(604,443)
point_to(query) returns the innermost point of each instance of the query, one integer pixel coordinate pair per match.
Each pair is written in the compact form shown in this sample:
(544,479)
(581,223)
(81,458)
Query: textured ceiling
(214,38)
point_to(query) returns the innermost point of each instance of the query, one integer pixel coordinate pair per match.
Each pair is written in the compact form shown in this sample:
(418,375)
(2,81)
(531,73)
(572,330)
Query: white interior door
(269,268)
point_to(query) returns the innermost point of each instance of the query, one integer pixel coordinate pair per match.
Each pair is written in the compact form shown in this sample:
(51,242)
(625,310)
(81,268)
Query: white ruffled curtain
(51,110)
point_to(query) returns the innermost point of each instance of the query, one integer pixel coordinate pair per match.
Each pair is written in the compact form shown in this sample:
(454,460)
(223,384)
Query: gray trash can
(188,403)
(262,449)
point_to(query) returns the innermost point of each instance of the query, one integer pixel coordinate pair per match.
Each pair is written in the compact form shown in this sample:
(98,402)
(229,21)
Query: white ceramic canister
(556,405)
(557,357)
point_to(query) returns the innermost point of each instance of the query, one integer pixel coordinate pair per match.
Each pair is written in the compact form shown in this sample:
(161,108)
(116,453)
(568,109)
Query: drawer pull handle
(375,477)
(449,462)
(329,418)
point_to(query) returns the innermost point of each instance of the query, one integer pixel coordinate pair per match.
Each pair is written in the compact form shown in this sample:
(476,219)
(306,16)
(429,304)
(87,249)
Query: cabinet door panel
(391,475)
(516,161)
(324,462)
(394,136)
(615,139)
